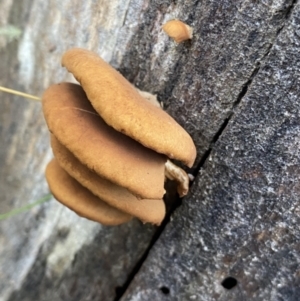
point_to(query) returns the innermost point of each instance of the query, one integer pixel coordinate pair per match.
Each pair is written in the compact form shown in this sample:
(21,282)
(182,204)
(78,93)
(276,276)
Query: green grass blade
(26,207)
(11,32)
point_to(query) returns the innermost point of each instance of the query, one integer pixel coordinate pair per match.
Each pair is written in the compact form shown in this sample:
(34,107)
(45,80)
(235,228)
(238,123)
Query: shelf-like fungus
(111,145)
(79,199)
(147,210)
(178,31)
(124,109)
(112,155)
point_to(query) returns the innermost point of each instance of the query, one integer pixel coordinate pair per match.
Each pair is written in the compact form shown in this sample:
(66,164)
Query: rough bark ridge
(236,237)
(234,87)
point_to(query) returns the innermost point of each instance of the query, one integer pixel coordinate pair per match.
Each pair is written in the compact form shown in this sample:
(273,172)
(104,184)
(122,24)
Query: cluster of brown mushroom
(111,145)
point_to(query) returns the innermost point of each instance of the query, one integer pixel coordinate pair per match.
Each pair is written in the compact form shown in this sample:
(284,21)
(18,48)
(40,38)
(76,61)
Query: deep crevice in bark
(177,201)
(225,122)
(241,95)
(120,290)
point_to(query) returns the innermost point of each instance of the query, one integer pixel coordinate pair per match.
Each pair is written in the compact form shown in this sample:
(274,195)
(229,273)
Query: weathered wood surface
(233,87)
(50,253)
(242,217)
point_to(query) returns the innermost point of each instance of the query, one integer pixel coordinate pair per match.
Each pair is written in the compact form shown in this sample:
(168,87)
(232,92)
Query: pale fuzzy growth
(149,97)
(178,31)
(173,172)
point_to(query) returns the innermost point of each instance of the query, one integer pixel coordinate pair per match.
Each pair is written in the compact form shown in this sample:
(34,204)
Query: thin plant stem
(20,93)
(26,207)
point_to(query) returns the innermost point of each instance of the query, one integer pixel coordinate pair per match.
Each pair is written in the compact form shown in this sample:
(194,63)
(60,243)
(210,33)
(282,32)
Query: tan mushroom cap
(178,30)
(121,106)
(151,211)
(112,155)
(76,197)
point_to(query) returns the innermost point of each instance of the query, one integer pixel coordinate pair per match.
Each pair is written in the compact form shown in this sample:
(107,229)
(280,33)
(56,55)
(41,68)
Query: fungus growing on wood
(173,172)
(110,140)
(124,109)
(178,31)
(79,199)
(147,210)
(112,155)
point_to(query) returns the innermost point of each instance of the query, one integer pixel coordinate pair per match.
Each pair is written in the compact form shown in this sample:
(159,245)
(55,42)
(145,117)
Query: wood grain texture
(234,87)
(242,218)
(40,250)
(200,81)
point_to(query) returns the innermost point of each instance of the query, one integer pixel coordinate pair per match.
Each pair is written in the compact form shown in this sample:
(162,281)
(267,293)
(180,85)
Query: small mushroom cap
(121,107)
(178,31)
(148,211)
(76,197)
(112,155)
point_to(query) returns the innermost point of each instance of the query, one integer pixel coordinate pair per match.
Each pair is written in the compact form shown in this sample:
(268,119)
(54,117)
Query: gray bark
(234,87)
(49,253)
